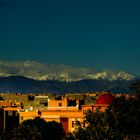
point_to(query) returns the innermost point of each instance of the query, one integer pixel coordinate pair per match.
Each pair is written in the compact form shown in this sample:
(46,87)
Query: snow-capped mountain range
(44,71)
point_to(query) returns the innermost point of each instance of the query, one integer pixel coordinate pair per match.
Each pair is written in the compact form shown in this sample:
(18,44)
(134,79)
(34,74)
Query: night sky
(84,33)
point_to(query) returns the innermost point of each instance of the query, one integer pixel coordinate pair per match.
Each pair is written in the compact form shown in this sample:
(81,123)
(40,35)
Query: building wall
(57,103)
(71,116)
(5,103)
(1,121)
(67,118)
(87,107)
(27,115)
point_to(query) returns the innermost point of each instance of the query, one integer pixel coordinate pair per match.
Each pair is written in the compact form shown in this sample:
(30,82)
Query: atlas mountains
(36,77)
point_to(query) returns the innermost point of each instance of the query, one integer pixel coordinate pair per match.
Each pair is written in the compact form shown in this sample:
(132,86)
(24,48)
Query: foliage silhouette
(36,129)
(120,121)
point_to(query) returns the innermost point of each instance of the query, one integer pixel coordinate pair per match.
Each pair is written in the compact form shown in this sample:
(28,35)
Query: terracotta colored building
(9,115)
(66,111)
(60,111)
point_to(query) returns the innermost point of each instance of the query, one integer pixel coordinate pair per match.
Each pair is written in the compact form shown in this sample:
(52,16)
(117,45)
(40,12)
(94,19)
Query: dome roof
(105,98)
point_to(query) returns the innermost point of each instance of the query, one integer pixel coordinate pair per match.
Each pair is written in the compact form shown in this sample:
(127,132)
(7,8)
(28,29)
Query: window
(22,118)
(10,113)
(16,113)
(59,104)
(72,124)
(83,123)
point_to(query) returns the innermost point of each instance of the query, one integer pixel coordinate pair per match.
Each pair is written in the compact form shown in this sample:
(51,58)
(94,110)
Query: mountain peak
(44,71)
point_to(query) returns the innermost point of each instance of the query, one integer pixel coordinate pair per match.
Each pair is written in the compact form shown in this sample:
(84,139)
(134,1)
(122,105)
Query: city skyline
(99,34)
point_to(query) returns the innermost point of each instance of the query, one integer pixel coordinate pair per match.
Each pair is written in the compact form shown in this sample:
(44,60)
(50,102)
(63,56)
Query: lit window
(10,113)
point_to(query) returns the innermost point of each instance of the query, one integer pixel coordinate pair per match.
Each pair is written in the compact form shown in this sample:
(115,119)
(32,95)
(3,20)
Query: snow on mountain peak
(124,75)
(43,71)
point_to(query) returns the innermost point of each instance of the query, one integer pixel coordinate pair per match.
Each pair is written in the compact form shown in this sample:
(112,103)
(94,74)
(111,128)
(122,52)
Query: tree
(36,129)
(54,131)
(120,121)
(25,131)
(135,87)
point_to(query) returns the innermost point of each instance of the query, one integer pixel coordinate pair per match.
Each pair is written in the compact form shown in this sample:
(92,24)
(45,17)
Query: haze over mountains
(35,77)
(44,71)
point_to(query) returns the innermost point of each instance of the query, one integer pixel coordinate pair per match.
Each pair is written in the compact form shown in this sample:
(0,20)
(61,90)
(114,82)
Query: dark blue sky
(100,34)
